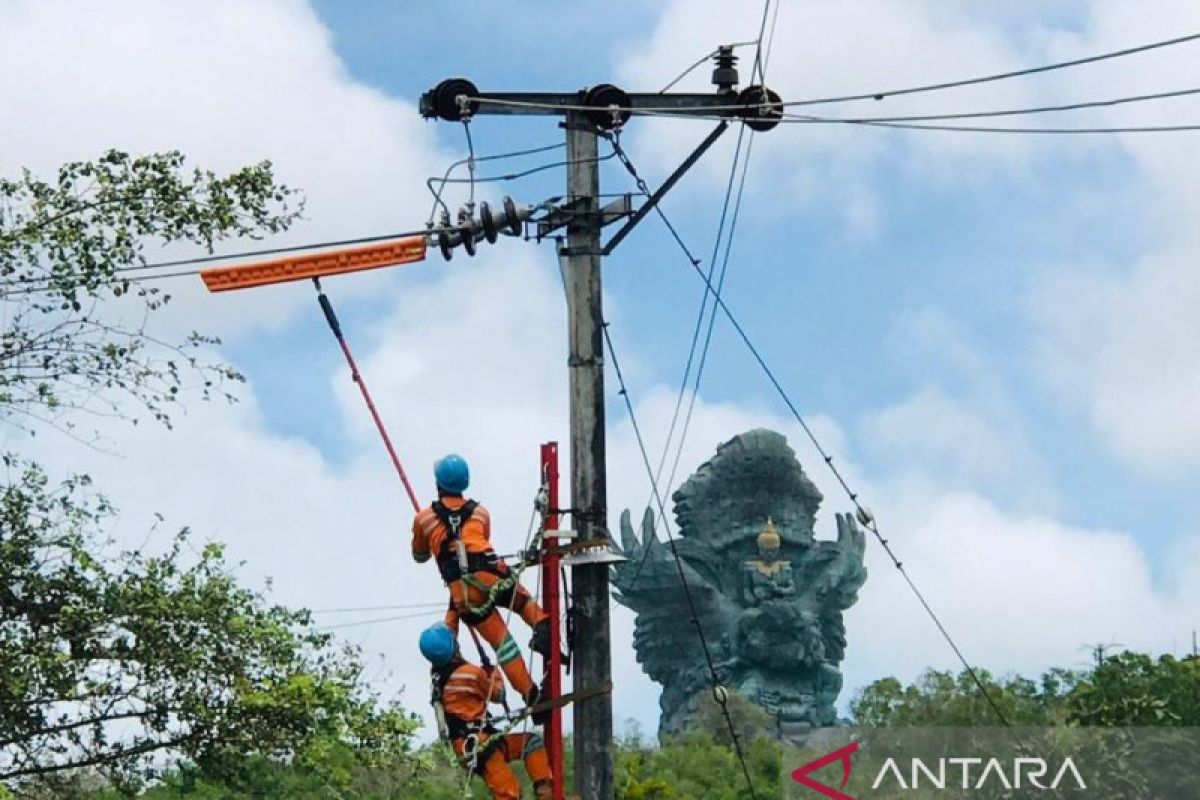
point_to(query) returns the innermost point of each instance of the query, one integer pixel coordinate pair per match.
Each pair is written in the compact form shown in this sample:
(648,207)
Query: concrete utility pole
(588,114)
(589,588)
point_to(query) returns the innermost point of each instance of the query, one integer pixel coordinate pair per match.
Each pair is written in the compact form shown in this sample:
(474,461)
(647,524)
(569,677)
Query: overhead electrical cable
(395,607)
(712,318)
(865,517)
(437,193)
(380,620)
(878,95)
(999,76)
(524,173)
(1002,129)
(687,370)
(758,69)
(1141,98)
(720,694)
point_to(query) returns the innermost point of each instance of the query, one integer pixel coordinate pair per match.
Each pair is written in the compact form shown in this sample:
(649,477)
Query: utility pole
(587,115)
(585,360)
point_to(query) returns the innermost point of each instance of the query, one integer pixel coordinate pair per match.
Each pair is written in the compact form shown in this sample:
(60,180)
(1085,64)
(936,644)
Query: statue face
(768,553)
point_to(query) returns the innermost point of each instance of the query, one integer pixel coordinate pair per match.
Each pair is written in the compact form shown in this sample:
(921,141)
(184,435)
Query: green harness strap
(498,588)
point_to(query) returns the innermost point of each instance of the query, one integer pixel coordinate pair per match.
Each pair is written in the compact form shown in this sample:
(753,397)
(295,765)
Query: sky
(995,335)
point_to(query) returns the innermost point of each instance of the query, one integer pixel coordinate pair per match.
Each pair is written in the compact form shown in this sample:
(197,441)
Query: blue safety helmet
(451,474)
(438,644)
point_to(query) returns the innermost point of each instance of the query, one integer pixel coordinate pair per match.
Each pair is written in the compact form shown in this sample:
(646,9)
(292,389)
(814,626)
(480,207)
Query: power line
(758,67)
(878,95)
(376,608)
(1002,129)
(687,420)
(1141,98)
(687,370)
(437,194)
(720,697)
(379,620)
(524,173)
(1000,76)
(865,517)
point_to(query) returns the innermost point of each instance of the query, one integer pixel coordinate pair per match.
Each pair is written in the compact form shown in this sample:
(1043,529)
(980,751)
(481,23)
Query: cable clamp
(464,107)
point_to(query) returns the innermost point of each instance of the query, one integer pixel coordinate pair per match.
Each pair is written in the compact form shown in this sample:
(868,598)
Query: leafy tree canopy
(117,663)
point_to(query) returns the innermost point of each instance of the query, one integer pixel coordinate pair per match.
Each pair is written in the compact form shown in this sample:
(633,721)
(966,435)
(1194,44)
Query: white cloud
(1017,593)
(227,83)
(1124,339)
(1122,348)
(831,49)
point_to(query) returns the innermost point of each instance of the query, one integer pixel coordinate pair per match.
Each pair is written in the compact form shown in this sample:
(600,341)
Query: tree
(111,661)
(115,662)
(1137,689)
(944,699)
(1127,689)
(70,253)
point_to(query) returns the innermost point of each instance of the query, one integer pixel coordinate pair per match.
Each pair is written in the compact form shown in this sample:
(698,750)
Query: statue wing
(664,635)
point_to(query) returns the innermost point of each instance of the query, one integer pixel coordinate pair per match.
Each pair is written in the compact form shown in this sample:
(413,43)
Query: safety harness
(452,727)
(456,564)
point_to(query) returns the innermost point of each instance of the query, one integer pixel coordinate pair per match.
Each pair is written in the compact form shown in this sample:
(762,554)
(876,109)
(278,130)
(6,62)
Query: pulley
(611,106)
(444,99)
(763,107)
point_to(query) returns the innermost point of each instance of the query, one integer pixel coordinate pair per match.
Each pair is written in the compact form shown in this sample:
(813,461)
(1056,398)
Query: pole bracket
(564,214)
(658,194)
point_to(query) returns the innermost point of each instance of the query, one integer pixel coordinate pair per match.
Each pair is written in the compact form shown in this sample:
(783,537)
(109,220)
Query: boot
(540,643)
(535,696)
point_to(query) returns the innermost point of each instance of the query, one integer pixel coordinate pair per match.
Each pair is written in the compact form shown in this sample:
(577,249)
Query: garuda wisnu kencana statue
(768,595)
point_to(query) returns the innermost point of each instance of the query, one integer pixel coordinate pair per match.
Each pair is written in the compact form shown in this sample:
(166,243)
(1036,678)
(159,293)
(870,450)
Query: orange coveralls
(465,692)
(431,538)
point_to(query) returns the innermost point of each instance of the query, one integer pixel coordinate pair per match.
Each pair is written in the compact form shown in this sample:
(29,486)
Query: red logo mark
(843,755)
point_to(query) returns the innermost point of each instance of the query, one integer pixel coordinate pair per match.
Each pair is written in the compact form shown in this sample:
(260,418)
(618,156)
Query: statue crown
(769,539)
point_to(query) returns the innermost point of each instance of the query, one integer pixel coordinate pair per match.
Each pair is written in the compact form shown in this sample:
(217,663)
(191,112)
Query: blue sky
(995,335)
(831,318)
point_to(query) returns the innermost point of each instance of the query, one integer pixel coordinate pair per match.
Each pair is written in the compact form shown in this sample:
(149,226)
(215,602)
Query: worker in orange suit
(461,693)
(456,532)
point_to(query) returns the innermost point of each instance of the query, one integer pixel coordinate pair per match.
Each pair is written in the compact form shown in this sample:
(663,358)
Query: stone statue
(768,595)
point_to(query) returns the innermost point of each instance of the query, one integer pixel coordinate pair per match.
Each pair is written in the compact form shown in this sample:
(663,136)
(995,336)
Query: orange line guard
(315,265)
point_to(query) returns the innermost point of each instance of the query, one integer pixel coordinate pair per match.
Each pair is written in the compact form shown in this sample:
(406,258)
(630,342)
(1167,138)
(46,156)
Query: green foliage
(111,660)
(114,664)
(1128,689)
(694,767)
(70,247)
(944,699)
(1134,689)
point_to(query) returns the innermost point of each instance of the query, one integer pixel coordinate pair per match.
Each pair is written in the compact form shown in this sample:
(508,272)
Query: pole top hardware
(607,107)
(764,108)
(612,106)
(725,74)
(443,102)
(468,231)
